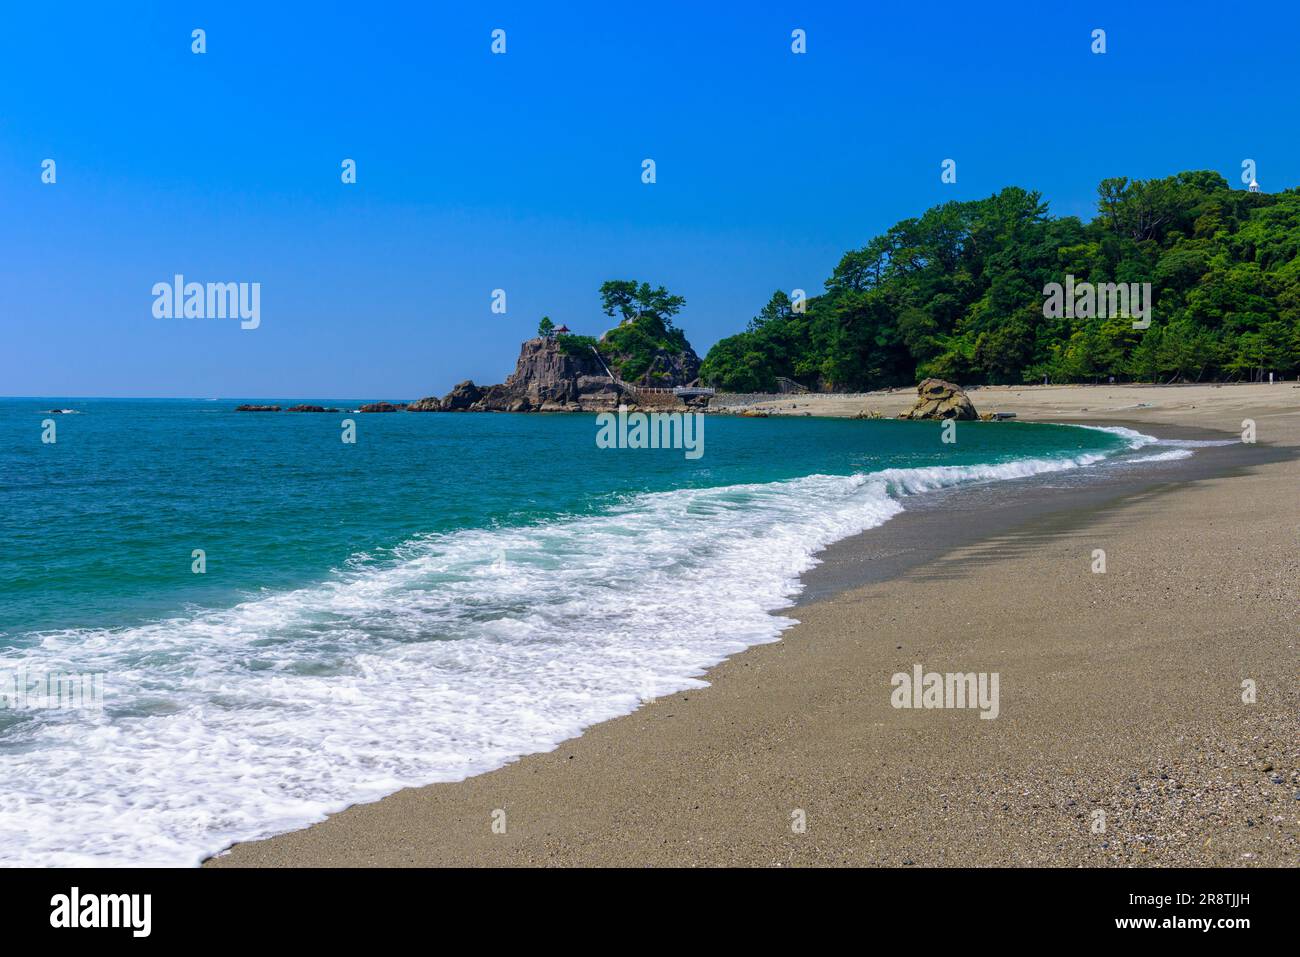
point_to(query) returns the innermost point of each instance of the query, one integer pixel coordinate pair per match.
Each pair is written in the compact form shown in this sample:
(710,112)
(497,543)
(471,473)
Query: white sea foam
(1196,443)
(1170,456)
(1179,448)
(1136,440)
(471,649)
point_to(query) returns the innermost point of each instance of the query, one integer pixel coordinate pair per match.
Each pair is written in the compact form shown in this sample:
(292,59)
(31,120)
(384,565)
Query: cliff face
(546,375)
(549,379)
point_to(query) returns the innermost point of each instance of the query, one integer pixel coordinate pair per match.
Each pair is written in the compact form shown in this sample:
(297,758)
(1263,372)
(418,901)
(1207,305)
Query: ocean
(448,593)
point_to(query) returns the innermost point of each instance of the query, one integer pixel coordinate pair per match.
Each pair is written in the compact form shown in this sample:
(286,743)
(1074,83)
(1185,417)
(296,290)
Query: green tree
(1003,352)
(630,301)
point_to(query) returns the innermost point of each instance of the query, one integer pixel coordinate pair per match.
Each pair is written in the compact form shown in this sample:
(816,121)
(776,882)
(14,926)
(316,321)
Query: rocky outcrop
(257,408)
(937,399)
(309,408)
(548,364)
(462,396)
(380,407)
(549,378)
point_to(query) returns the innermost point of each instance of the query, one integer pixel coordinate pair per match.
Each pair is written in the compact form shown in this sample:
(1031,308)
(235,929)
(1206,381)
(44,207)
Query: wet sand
(1119,693)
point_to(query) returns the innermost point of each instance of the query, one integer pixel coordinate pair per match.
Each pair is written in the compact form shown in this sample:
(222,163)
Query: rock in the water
(937,399)
(461,397)
(257,408)
(428,404)
(309,408)
(379,407)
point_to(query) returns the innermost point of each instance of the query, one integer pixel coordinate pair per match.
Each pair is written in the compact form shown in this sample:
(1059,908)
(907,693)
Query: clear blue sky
(523,171)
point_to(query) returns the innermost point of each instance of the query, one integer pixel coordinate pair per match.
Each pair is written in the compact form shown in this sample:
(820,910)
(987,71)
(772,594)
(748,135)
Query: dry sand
(1119,692)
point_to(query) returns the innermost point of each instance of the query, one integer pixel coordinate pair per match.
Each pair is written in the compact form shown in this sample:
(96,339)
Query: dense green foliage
(576,346)
(631,300)
(630,347)
(645,327)
(959,293)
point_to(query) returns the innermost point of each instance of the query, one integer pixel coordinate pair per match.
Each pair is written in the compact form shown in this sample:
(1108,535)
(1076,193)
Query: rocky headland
(574,374)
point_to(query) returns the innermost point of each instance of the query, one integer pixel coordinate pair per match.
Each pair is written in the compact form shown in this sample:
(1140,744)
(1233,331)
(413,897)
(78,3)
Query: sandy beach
(1122,737)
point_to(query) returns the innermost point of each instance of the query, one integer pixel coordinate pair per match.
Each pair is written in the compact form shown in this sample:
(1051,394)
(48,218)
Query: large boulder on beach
(937,399)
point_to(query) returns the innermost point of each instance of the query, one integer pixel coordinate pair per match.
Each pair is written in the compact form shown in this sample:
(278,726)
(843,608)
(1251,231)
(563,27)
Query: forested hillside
(959,294)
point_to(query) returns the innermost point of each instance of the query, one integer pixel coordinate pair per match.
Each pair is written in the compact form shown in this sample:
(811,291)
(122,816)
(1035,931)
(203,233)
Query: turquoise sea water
(450,592)
(99,526)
